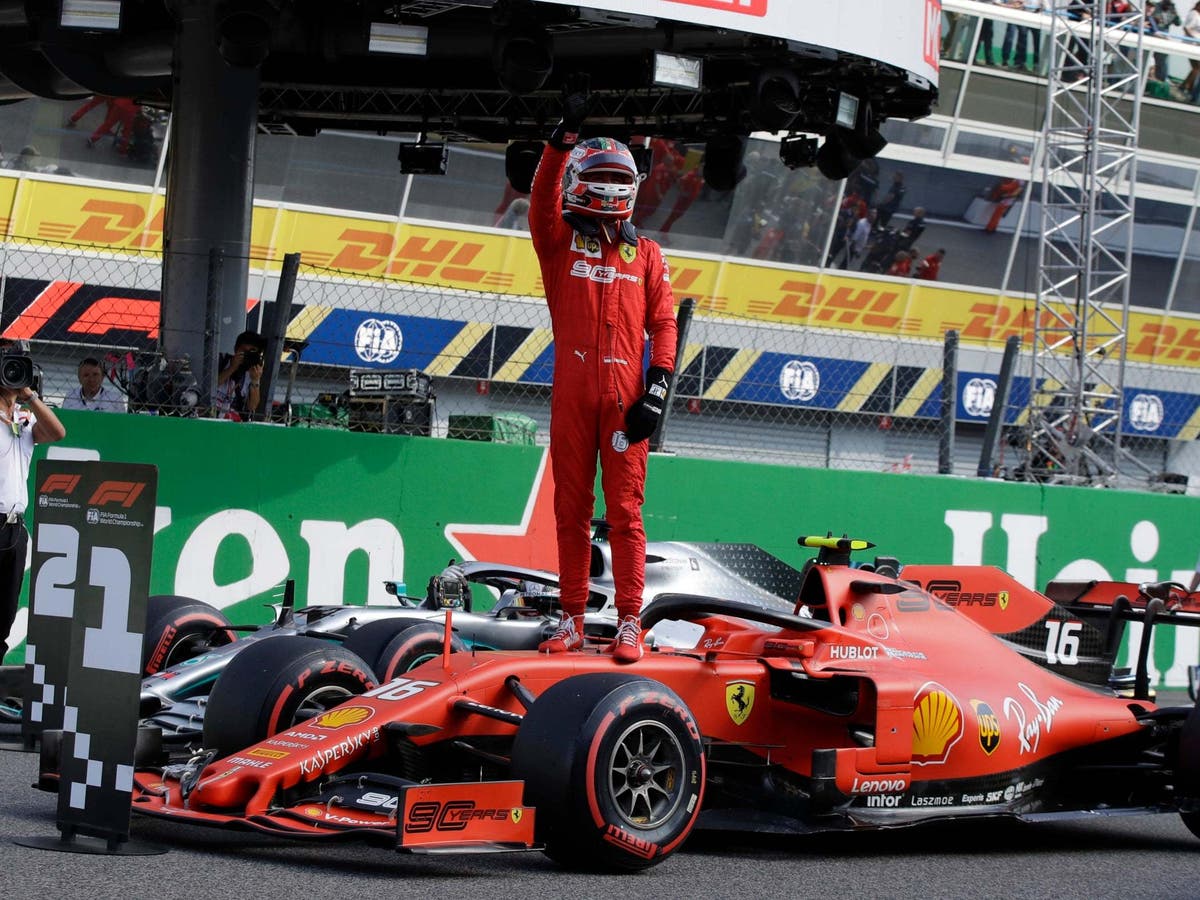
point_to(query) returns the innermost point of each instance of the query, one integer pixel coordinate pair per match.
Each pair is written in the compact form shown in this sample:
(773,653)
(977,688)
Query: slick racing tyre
(179,628)
(276,683)
(413,646)
(371,640)
(614,766)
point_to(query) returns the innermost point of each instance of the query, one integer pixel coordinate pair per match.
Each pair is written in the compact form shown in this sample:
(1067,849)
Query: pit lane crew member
(607,287)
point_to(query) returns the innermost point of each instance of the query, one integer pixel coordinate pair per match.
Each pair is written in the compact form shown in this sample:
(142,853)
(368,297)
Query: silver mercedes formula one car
(318,656)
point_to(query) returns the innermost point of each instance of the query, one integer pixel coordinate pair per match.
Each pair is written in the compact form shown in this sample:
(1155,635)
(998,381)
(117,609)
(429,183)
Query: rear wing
(1175,604)
(1075,628)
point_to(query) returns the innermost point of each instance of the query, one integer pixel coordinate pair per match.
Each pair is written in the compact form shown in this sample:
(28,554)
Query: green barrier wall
(244,507)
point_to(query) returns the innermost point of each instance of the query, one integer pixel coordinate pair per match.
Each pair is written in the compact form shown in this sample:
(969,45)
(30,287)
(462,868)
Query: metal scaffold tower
(1085,247)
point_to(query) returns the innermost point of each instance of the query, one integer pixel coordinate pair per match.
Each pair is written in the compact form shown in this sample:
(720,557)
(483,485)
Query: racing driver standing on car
(607,288)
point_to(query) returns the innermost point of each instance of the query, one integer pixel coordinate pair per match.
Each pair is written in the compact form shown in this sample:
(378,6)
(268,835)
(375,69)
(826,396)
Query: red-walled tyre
(370,640)
(179,628)
(614,766)
(276,683)
(413,646)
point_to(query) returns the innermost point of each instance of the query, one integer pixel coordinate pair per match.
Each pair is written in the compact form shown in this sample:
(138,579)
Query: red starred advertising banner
(748,7)
(896,32)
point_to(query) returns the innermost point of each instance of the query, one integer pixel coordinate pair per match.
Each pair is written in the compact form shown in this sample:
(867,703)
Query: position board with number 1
(92,547)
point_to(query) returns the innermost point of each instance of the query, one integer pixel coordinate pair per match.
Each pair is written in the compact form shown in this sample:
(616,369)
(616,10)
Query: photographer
(238,382)
(24,421)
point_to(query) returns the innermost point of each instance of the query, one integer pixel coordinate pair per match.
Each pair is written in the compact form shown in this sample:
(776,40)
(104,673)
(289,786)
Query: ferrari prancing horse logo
(739,700)
(516,814)
(628,252)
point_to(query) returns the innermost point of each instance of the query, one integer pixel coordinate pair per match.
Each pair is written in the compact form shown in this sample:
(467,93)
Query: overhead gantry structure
(823,74)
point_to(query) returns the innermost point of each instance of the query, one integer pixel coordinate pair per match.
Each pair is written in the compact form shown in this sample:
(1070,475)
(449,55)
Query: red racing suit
(604,298)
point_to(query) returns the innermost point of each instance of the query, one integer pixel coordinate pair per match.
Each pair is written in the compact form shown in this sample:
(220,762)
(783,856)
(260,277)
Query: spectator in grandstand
(913,228)
(240,378)
(853,208)
(667,163)
(92,393)
(1160,20)
(891,201)
(607,288)
(29,160)
(1191,28)
(516,216)
(510,194)
(119,115)
(688,189)
(1019,39)
(1003,195)
(856,240)
(26,420)
(986,38)
(901,264)
(929,268)
(865,181)
(753,199)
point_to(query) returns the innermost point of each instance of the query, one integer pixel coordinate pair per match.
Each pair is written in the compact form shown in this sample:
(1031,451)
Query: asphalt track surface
(1119,857)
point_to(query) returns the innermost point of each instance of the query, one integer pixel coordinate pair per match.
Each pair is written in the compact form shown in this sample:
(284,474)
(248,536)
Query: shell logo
(314,812)
(937,724)
(343,716)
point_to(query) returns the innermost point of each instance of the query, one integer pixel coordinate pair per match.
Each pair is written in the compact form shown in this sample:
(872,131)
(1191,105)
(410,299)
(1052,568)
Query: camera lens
(16,372)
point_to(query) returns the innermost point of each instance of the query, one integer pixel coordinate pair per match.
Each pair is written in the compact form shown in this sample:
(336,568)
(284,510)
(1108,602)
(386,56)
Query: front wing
(414,818)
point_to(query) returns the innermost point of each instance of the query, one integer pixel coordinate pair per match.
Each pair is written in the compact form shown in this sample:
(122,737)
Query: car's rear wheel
(180,628)
(413,646)
(614,766)
(276,683)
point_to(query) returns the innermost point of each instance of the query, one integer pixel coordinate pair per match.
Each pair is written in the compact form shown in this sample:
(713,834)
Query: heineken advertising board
(242,508)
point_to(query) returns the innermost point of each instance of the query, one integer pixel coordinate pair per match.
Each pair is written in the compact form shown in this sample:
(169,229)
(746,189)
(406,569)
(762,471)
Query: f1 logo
(59,484)
(123,492)
(933,32)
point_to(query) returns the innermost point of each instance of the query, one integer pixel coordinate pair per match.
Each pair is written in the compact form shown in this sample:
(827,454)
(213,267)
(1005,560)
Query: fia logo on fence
(799,380)
(1145,412)
(378,341)
(978,396)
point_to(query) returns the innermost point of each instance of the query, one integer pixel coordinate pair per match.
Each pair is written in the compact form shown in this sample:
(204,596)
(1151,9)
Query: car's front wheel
(276,683)
(614,766)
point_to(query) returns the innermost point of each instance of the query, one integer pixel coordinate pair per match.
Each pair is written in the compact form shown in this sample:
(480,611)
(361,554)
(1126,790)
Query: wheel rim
(645,778)
(318,701)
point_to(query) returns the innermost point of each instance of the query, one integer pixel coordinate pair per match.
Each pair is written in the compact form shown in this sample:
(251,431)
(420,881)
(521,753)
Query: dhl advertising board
(50,213)
(339,512)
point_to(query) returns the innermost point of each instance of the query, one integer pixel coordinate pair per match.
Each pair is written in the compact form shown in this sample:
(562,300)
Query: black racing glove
(566,132)
(642,418)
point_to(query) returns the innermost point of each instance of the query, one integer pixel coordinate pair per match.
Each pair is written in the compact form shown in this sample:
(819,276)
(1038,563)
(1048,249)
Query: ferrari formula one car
(189,644)
(877,702)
